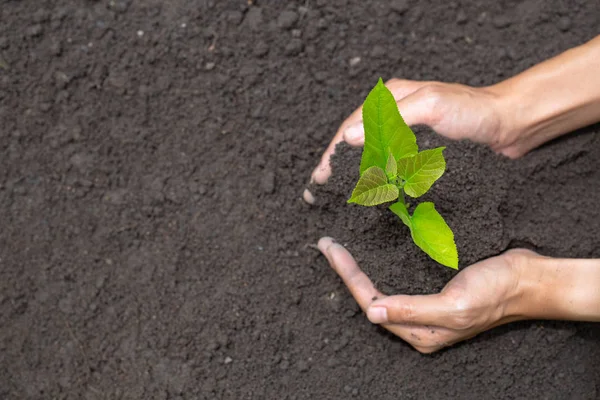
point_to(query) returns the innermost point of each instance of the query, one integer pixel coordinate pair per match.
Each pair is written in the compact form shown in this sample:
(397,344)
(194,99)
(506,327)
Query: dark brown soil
(153,242)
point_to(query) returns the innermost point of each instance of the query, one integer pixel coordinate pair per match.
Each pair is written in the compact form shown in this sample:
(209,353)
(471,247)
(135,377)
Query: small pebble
(461,17)
(302,366)
(378,51)
(399,6)
(261,49)
(210,66)
(502,21)
(294,47)
(140,33)
(254,18)
(564,24)
(268,182)
(354,61)
(235,17)
(228,360)
(34,30)
(287,19)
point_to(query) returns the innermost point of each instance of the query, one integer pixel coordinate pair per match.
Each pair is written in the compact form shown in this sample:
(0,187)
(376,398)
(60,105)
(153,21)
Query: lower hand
(480,297)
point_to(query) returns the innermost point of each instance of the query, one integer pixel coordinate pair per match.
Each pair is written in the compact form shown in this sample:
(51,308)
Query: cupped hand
(480,297)
(452,110)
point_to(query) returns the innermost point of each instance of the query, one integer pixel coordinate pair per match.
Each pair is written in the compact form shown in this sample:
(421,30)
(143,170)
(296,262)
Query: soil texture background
(153,241)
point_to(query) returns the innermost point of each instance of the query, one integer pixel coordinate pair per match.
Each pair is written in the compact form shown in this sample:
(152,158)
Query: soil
(154,243)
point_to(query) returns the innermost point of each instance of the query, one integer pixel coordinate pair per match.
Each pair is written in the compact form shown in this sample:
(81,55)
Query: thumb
(419,108)
(432,309)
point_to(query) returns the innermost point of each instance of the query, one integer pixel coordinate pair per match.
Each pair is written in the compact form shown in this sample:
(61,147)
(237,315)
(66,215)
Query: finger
(418,108)
(344,264)
(425,339)
(352,130)
(323,170)
(435,309)
(308,197)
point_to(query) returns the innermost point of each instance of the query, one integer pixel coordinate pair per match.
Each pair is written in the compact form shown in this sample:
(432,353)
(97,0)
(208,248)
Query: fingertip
(308,197)
(324,244)
(377,314)
(321,174)
(354,135)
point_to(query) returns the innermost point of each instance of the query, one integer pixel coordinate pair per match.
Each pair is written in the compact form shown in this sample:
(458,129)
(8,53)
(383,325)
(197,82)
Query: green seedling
(392,166)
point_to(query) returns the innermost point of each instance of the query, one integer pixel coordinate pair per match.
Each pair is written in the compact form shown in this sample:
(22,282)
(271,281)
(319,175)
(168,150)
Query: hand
(512,117)
(480,297)
(453,110)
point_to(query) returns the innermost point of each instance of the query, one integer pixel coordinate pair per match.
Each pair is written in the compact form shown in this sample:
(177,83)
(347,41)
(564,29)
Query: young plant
(392,166)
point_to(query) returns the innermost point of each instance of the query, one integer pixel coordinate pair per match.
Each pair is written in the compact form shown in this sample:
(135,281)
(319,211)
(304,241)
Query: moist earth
(153,241)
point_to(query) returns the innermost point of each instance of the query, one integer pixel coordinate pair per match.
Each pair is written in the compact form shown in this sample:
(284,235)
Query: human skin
(516,285)
(512,117)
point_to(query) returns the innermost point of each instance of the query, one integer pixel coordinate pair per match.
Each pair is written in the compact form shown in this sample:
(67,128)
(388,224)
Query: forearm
(554,288)
(552,98)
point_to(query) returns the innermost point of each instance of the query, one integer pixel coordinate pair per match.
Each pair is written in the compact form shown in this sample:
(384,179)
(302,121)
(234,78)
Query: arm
(567,289)
(551,98)
(516,285)
(512,117)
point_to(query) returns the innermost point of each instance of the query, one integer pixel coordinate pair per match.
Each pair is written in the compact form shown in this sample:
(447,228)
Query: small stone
(61,79)
(502,21)
(235,17)
(120,6)
(55,48)
(287,19)
(354,61)
(254,18)
(564,24)
(228,360)
(34,30)
(320,76)
(41,15)
(296,33)
(284,365)
(302,366)
(378,51)
(261,48)
(481,18)
(509,360)
(267,183)
(399,6)
(461,17)
(210,66)
(140,33)
(294,47)
(332,363)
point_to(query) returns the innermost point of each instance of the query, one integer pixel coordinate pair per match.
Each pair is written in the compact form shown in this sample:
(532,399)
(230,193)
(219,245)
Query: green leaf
(391,168)
(421,171)
(400,210)
(373,188)
(385,130)
(431,233)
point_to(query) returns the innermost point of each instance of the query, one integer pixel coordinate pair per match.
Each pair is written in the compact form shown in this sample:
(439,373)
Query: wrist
(554,288)
(549,100)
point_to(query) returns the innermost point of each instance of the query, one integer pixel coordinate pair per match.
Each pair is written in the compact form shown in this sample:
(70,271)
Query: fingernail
(354,132)
(324,244)
(308,197)
(377,315)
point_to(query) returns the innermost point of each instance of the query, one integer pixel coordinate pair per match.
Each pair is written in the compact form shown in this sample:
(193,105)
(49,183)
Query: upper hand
(452,110)
(480,297)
